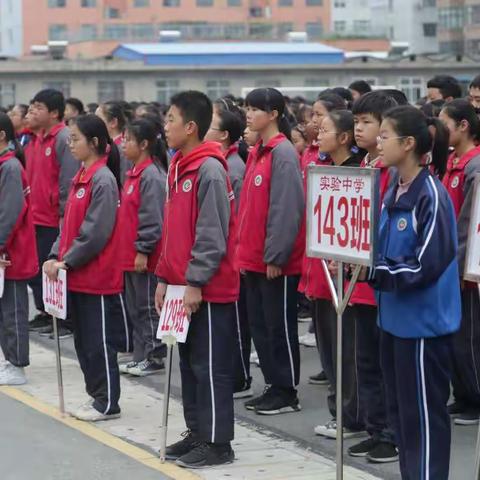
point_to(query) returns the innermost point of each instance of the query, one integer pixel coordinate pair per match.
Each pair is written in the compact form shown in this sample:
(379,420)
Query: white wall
(11,29)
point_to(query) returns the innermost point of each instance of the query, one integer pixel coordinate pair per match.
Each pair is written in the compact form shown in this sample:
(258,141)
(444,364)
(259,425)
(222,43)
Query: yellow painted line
(140,455)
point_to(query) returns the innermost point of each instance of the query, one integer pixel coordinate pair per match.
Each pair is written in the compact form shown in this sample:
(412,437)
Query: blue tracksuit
(417,281)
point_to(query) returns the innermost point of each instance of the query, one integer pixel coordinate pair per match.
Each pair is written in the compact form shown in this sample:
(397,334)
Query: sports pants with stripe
(466,353)
(206,367)
(140,300)
(14,323)
(243,341)
(272,314)
(417,386)
(99,333)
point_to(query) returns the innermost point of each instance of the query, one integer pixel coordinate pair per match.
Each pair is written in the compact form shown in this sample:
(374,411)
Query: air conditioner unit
(297,37)
(57,48)
(169,36)
(39,49)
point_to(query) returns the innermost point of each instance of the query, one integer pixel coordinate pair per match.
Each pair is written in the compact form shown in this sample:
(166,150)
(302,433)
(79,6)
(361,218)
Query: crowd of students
(131,198)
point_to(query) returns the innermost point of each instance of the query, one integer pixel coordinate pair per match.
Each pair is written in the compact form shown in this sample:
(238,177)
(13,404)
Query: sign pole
(339,392)
(170,342)
(59,366)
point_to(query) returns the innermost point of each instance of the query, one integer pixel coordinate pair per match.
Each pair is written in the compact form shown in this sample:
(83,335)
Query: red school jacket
(180,226)
(102,275)
(20,247)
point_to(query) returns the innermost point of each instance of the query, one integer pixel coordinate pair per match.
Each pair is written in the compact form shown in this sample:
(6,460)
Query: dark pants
(272,314)
(243,342)
(370,380)
(45,237)
(417,385)
(14,323)
(326,332)
(466,353)
(206,367)
(140,300)
(99,333)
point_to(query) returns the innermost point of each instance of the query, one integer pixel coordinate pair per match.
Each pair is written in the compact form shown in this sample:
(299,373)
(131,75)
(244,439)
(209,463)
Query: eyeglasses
(382,140)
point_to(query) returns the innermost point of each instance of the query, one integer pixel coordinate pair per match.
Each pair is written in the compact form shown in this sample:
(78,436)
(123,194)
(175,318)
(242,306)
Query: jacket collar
(408,200)
(455,163)
(54,131)
(84,176)
(231,150)
(7,154)
(259,149)
(137,170)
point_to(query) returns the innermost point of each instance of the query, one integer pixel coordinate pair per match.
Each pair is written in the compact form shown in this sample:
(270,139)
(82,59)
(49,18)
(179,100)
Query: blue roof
(225,53)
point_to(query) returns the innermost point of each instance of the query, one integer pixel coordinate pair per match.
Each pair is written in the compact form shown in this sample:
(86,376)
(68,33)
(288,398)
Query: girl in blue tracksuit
(416,278)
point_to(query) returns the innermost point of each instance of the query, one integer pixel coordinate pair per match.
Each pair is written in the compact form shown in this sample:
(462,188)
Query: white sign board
(342,213)
(2,281)
(472,261)
(55,295)
(173,319)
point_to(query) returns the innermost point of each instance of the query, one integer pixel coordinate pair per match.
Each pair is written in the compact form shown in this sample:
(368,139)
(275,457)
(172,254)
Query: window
(234,3)
(452,18)
(313,3)
(57,3)
(285,3)
(204,3)
(111,12)
(7,94)
(57,31)
(166,89)
(171,3)
(265,83)
(235,30)
(339,26)
(412,87)
(116,32)
(339,4)
(110,90)
(314,29)
(88,3)
(429,3)
(256,12)
(473,14)
(217,88)
(315,86)
(430,29)
(261,30)
(88,31)
(284,29)
(141,3)
(61,86)
(142,31)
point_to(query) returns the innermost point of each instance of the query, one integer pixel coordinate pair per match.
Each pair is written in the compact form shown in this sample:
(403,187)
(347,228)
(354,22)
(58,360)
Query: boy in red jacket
(197,250)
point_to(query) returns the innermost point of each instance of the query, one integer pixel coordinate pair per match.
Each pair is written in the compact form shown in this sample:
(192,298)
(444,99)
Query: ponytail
(459,110)
(440,137)
(113,161)
(243,150)
(285,127)
(6,126)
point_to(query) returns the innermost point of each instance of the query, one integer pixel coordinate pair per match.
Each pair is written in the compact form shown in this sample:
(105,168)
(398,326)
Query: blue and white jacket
(416,271)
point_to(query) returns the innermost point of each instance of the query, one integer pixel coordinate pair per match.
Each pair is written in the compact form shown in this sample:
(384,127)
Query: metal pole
(59,366)
(477,456)
(166,399)
(339,393)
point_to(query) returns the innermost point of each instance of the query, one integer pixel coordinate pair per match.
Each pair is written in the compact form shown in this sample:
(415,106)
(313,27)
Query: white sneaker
(329,430)
(12,375)
(88,413)
(308,340)
(254,358)
(124,367)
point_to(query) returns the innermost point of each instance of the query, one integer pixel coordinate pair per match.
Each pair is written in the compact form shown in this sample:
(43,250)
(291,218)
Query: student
(416,278)
(113,114)
(250,137)
(17,237)
(299,139)
(87,248)
(463,165)
(140,225)
(359,88)
(443,87)
(50,171)
(228,123)
(197,251)
(17,115)
(73,108)
(474,93)
(270,250)
(336,138)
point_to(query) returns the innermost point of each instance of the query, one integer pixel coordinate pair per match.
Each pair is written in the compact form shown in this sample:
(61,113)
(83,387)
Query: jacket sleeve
(212,226)
(463,222)
(150,212)
(435,251)
(12,199)
(68,167)
(99,222)
(286,208)
(236,173)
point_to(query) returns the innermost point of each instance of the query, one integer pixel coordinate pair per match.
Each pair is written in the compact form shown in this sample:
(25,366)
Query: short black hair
(76,103)
(398,95)
(375,103)
(194,107)
(475,82)
(448,86)
(345,93)
(52,99)
(360,86)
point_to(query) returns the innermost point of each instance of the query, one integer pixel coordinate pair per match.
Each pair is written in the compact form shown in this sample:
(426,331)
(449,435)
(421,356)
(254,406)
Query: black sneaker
(456,408)
(63,332)
(251,404)
(244,391)
(41,320)
(468,418)
(304,314)
(45,331)
(207,455)
(319,379)
(384,452)
(362,449)
(278,402)
(182,447)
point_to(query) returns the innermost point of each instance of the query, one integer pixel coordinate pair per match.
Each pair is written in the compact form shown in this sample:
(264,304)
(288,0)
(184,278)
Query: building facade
(353,18)
(24,23)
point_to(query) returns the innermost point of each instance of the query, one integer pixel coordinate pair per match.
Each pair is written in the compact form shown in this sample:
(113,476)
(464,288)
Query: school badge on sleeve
(80,193)
(402,224)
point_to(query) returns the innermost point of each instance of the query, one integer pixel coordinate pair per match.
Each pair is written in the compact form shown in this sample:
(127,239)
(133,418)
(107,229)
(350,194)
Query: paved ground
(35,446)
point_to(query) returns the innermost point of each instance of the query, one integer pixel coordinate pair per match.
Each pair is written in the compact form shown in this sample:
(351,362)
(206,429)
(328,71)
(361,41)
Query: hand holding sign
(173,317)
(55,294)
